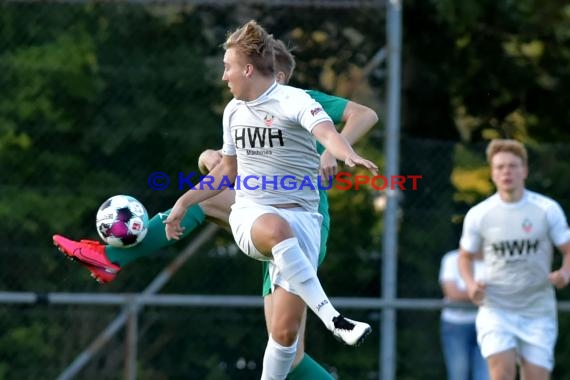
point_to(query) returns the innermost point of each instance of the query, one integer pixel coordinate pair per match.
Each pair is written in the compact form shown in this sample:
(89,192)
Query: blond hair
(284,60)
(506,145)
(252,41)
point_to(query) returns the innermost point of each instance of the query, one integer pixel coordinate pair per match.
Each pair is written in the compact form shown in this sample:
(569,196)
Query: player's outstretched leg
(104,261)
(297,270)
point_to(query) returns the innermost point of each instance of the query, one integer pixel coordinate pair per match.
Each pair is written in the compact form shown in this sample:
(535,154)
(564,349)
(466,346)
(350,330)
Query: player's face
(508,172)
(235,70)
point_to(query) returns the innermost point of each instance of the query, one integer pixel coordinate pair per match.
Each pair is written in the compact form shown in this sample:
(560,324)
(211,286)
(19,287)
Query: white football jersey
(449,272)
(517,240)
(277,160)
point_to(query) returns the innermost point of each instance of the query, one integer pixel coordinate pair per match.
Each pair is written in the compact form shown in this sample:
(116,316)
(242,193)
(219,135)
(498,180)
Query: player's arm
(448,276)
(339,147)
(470,248)
(465,262)
(475,289)
(358,120)
(452,292)
(561,277)
(221,175)
(559,234)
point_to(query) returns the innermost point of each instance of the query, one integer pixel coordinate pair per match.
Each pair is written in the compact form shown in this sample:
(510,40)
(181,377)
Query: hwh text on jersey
(514,248)
(257,137)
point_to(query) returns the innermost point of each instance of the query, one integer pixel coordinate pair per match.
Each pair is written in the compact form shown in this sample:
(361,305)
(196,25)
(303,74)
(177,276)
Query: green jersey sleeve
(333,105)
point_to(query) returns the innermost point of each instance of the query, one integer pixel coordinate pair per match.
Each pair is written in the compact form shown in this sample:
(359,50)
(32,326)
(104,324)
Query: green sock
(155,237)
(309,369)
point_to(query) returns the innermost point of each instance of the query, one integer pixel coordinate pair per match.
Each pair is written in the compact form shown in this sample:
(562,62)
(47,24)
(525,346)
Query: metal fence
(206,320)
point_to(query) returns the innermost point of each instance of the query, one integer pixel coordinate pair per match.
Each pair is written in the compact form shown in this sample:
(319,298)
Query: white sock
(277,360)
(298,271)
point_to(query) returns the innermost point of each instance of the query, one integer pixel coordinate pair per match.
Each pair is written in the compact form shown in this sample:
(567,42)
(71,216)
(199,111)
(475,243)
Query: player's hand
(476,292)
(172,225)
(354,160)
(329,166)
(559,278)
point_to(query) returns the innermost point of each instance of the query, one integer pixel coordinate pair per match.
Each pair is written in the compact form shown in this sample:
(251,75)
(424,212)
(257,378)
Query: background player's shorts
(305,225)
(532,337)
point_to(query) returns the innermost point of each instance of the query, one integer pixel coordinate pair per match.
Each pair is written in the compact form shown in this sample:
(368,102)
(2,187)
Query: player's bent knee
(268,230)
(285,335)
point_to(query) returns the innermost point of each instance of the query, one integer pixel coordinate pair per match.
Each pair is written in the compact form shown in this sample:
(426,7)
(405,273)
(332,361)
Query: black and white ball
(122,221)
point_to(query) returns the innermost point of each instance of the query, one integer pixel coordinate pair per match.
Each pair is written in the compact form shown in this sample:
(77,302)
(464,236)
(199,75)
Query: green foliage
(491,68)
(98,95)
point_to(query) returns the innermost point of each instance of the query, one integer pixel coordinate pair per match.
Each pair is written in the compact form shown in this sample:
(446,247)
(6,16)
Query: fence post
(131,340)
(390,233)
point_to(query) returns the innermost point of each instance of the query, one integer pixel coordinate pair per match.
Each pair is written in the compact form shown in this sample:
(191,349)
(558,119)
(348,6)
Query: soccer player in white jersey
(269,132)
(357,120)
(515,231)
(104,262)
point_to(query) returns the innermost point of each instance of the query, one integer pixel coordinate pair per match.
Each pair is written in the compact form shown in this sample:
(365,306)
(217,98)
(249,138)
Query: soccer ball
(122,221)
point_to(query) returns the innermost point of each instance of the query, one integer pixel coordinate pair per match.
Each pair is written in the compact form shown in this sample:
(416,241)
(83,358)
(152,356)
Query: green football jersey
(334,106)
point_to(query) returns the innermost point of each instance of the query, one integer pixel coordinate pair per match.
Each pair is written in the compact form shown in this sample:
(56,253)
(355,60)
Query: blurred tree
(92,106)
(489,68)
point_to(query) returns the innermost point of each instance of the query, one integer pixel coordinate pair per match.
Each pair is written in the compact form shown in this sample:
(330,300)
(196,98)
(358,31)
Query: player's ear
(280,77)
(248,72)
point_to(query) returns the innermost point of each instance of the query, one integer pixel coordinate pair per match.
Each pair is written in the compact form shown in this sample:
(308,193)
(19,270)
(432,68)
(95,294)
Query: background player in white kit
(268,131)
(515,230)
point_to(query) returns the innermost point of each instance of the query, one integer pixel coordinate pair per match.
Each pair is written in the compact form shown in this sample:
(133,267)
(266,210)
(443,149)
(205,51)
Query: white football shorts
(305,225)
(533,338)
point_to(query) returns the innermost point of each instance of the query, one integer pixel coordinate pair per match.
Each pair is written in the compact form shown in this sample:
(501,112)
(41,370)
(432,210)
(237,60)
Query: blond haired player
(105,262)
(515,230)
(272,223)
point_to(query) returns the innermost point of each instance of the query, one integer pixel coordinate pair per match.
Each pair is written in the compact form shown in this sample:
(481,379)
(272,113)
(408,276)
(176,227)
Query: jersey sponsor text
(257,137)
(515,248)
